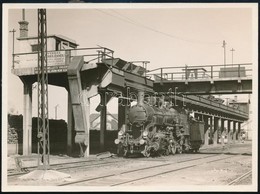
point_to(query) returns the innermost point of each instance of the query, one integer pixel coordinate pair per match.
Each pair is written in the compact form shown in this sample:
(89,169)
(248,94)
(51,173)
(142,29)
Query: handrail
(101,53)
(201,72)
(76,49)
(201,66)
(222,105)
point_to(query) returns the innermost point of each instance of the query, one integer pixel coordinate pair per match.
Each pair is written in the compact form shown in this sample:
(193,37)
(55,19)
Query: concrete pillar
(70,127)
(85,105)
(211,125)
(215,129)
(222,129)
(234,131)
(27,118)
(229,131)
(87,130)
(239,131)
(103,121)
(206,130)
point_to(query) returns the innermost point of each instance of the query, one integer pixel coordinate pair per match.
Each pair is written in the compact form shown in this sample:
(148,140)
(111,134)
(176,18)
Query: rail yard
(230,165)
(172,127)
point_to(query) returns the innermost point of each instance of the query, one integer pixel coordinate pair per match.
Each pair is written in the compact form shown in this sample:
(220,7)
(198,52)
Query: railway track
(65,166)
(240,178)
(118,175)
(73,165)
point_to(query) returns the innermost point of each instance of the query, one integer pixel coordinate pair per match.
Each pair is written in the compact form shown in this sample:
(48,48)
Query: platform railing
(210,72)
(94,54)
(217,104)
(139,63)
(62,57)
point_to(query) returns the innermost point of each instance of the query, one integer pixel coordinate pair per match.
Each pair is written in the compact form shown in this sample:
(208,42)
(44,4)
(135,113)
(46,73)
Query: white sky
(165,37)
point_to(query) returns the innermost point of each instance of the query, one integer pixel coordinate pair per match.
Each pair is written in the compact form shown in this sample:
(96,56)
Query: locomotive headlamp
(120,133)
(117,141)
(145,133)
(142,141)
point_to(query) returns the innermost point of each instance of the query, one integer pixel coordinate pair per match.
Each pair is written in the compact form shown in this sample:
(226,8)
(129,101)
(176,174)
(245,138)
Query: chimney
(23,27)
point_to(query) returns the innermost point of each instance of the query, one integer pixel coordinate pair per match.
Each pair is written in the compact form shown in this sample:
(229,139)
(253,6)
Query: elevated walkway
(201,80)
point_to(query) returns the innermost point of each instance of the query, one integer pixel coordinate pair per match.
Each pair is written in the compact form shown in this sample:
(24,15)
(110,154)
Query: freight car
(159,130)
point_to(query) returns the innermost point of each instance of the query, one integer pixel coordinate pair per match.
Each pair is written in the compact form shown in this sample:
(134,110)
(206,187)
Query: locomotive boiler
(156,129)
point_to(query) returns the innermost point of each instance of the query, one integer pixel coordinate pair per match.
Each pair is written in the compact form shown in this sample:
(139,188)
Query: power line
(133,22)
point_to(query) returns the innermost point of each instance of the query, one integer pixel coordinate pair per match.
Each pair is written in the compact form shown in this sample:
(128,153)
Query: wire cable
(133,22)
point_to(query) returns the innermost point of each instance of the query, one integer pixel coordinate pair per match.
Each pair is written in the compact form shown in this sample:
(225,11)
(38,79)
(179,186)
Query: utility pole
(42,78)
(13,31)
(43,172)
(232,50)
(224,46)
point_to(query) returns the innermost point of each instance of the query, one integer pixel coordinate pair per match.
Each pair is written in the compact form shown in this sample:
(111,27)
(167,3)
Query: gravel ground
(211,174)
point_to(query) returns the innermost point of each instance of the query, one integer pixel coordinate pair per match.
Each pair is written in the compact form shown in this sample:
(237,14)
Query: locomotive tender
(154,129)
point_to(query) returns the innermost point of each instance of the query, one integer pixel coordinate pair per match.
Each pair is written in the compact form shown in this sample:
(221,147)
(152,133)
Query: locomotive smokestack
(23,26)
(140,99)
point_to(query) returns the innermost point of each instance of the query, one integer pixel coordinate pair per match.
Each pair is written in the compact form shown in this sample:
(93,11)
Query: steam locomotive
(156,129)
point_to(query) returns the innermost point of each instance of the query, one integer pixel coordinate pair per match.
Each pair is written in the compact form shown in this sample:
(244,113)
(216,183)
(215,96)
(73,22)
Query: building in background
(112,121)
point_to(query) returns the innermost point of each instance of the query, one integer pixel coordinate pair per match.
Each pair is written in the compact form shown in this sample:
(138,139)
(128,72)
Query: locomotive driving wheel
(147,153)
(180,150)
(173,149)
(167,152)
(120,150)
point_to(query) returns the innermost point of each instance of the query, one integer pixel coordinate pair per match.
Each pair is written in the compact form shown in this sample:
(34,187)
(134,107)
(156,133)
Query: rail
(205,72)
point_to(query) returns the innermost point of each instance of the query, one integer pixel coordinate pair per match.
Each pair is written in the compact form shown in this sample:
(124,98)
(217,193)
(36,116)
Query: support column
(239,132)
(85,104)
(215,128)
(229,131)
(103,120)
(222,129)
(211,129)
(27,118)
(206,130)
(70,127)
(234,131)
(87,130)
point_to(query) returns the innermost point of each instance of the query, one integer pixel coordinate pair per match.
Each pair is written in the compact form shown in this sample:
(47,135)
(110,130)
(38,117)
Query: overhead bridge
(200,104)
(206,79)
